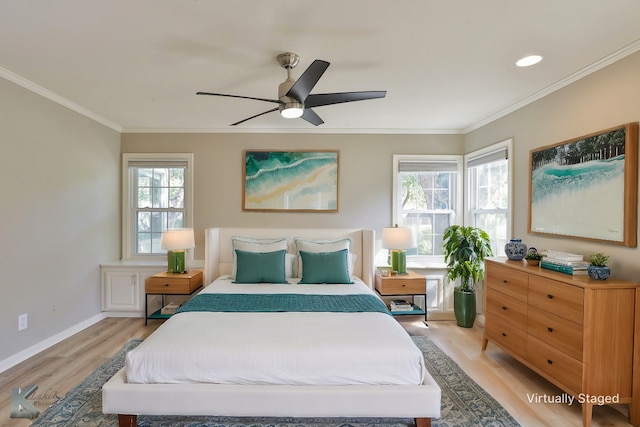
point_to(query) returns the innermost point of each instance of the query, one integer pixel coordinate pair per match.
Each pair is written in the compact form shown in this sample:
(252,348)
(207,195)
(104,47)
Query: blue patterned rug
(464,403)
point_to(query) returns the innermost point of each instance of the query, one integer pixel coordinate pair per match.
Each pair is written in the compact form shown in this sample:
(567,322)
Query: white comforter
(292,348)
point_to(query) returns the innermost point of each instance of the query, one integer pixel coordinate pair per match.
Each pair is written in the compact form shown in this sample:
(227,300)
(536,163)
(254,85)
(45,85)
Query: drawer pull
(505,281)
(549,296)
(166,284)
(550,329)
(504,335)
(550,362)
(504,307)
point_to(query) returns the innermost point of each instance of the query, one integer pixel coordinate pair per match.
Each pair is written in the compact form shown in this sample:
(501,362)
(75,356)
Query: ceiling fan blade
(311,116)
(253,117)
(305,83)
(238,96)
(321,99)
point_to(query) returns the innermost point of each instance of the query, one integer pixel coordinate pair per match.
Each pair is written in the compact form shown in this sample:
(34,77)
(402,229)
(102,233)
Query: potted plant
(533,258)
(597,268)
(465,249)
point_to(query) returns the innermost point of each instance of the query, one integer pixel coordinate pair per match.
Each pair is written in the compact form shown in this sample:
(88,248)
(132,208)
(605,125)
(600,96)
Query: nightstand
(166,283)
(404,284)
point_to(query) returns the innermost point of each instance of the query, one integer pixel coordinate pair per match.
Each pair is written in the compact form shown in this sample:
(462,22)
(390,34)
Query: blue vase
(515,249)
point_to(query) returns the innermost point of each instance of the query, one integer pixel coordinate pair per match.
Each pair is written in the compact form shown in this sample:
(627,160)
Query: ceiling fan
(294,98)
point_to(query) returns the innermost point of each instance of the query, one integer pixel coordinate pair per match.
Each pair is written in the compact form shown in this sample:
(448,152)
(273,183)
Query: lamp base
(399,261)
(175,262)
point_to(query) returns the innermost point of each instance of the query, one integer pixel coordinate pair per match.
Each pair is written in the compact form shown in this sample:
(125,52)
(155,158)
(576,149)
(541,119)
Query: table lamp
(176,241)
(397,239)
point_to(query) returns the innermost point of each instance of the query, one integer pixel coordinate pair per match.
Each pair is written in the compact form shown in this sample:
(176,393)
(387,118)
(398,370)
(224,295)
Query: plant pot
(597,272)
(533,262)
(464,307)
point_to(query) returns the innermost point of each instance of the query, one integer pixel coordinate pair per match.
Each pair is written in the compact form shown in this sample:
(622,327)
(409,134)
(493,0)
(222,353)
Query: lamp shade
(398,238)
(178,239)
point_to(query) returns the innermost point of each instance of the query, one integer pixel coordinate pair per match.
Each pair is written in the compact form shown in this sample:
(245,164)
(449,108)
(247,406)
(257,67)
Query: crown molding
(29,85)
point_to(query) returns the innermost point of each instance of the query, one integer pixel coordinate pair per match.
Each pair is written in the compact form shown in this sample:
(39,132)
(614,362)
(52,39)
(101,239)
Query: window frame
(469,213)
(128,202)
(396,191)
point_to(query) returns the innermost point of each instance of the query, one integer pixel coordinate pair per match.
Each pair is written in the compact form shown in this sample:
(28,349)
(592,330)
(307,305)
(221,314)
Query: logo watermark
(568,399)
(20,406)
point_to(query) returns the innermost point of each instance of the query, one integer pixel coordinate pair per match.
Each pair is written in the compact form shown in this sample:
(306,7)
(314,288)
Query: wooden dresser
(576,332)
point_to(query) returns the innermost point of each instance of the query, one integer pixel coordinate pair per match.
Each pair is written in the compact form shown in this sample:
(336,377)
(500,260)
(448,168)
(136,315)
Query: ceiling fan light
(527,61)
(292,110)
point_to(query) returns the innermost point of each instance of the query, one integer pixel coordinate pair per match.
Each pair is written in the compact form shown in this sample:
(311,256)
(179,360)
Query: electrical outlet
(23,322)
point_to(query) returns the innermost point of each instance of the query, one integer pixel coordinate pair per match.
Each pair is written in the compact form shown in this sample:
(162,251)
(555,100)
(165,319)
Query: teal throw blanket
(284,302)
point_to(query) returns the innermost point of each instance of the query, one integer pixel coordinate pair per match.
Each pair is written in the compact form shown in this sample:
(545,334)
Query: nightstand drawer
(399,285)
(171,283)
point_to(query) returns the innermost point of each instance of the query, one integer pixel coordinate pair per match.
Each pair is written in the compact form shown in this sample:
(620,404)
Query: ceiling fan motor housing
(290,107)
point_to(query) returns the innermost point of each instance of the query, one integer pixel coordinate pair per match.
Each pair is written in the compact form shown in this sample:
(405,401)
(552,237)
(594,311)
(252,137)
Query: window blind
(427,166)
(493,156)
(157,164)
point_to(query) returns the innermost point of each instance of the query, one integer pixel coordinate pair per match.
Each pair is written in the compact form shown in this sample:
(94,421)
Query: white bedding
(292,348)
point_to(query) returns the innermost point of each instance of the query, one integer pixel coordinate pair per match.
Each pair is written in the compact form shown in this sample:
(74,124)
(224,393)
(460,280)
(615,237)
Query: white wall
(59,216)
(607,98)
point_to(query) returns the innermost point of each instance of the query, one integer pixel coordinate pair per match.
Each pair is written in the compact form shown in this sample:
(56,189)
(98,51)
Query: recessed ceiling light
(528,60)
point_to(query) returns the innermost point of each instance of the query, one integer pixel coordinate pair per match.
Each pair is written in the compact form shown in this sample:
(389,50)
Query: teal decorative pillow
(252,244)
(325,267)
(260,267)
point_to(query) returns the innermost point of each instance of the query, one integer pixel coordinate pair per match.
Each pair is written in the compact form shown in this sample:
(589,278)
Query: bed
(334,352)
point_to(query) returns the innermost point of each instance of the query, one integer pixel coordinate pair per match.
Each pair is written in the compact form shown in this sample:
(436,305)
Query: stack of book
(400,305)
(565,262)
(170,308)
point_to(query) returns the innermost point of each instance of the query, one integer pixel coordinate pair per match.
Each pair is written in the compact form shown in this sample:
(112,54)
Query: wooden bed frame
(421,402)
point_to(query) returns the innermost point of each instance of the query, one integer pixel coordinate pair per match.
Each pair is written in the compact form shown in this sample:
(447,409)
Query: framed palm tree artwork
(587,187)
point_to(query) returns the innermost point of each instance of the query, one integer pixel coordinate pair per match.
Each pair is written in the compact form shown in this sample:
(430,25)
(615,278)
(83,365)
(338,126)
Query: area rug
(464,403)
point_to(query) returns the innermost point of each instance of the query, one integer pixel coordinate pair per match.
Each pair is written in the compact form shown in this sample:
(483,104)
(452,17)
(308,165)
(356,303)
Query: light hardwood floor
(60,368)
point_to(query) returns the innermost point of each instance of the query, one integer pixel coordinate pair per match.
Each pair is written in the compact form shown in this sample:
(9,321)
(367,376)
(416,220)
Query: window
(428,198)
(157,195)
(488,193)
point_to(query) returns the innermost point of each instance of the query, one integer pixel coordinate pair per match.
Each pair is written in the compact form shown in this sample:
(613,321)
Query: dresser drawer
(507,280)
(503,333)
(399,285)
(509,309)
(556,297)
(173,285)
(556,365)
(559,333)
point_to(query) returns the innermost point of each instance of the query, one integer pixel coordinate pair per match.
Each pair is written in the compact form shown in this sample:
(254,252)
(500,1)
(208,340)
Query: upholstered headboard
(219,252)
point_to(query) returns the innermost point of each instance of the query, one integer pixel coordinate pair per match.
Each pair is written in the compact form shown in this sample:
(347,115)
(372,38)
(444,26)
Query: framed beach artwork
(301,180)
(587,187)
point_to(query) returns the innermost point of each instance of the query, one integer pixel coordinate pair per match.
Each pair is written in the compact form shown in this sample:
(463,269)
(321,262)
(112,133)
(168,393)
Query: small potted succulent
(597,268)
(533,257)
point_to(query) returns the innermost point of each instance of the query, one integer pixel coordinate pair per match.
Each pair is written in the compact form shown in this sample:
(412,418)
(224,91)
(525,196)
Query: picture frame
(587,187)
(291,181)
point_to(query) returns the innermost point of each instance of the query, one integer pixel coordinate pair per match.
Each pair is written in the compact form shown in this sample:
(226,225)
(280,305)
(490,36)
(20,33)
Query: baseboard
(123,314)
(20,357)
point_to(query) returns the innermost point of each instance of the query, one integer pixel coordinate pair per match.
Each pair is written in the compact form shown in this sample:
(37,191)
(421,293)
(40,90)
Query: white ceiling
(448,65)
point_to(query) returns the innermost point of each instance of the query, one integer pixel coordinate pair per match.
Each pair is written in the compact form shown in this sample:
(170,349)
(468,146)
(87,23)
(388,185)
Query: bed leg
(127,420)
(423,422)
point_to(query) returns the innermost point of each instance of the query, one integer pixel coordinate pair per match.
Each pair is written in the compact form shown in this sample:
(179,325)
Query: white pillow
(320,246)
(250,244)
